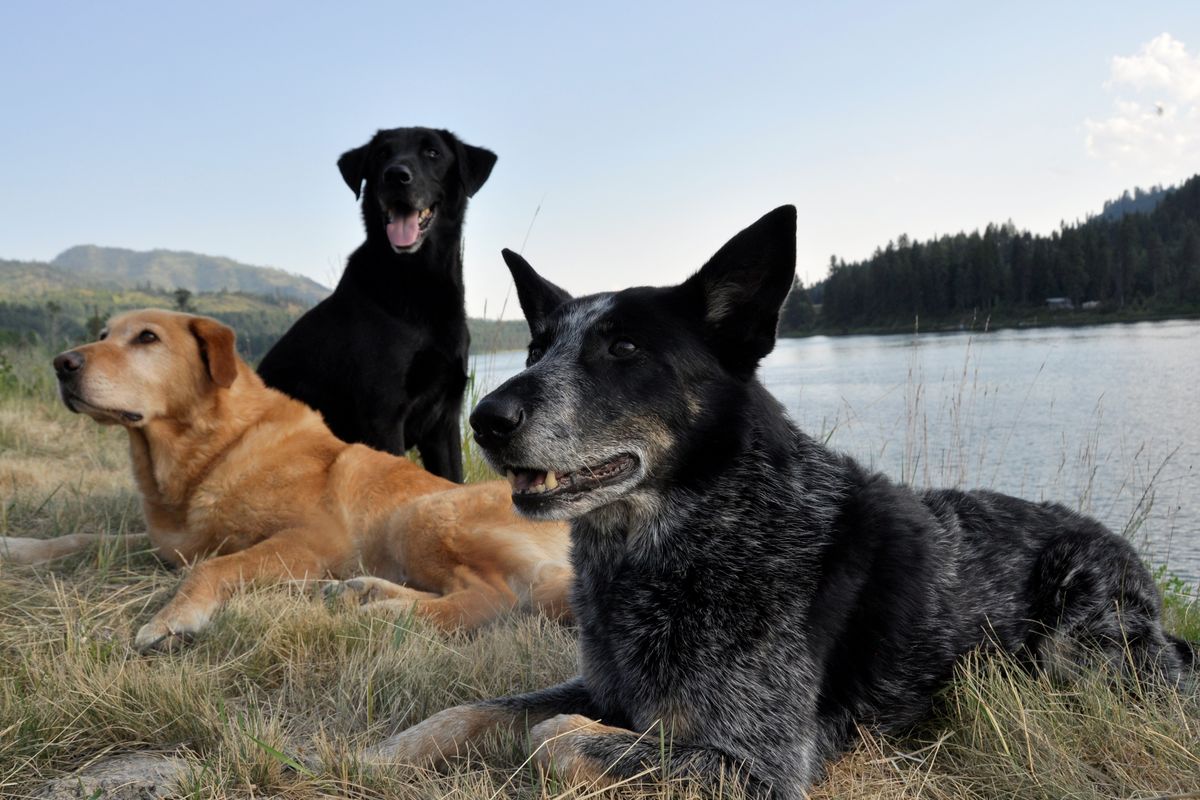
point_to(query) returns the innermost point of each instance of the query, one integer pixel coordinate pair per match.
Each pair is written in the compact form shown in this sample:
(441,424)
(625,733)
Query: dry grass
(280,681)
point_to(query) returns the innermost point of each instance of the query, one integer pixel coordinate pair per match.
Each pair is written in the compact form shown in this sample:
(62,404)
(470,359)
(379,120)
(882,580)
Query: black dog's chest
(432,375)
(641,633)
(433,371)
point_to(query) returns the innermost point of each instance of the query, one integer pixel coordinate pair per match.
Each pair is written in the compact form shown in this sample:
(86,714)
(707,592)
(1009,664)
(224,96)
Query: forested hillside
(46,306)
(43,305)
(171,269)
(1124,263)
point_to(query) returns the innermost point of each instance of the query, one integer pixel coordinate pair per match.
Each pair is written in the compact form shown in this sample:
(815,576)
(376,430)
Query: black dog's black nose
(398,173)
(496,419)
(67,363)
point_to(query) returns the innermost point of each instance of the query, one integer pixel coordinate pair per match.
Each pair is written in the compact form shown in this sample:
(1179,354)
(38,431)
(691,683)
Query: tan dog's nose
(67,364)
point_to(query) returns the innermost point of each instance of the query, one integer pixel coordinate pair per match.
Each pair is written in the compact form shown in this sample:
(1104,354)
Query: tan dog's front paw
(357,591)
(556,748)
(169,630)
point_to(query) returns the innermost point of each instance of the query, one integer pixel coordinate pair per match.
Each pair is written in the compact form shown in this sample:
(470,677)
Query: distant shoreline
(1051,319)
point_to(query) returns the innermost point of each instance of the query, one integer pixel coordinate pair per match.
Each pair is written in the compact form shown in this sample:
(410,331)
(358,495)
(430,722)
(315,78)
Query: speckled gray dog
(746,598)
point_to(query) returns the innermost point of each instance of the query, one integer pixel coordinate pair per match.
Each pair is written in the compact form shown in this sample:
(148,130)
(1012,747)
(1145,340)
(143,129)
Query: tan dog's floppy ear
(216,348)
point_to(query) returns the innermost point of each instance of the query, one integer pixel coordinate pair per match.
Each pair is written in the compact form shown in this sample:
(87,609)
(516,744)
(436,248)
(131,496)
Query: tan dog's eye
(103,335)
(147,337)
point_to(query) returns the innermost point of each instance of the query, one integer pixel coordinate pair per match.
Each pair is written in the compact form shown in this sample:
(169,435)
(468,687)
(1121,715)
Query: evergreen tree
(797,315)
(1145,252)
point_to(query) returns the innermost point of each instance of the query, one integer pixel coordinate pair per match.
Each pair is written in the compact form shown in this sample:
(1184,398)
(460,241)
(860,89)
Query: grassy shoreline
(280,676)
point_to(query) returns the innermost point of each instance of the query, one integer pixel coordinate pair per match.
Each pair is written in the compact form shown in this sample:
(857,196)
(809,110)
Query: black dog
(384,358)
(746,597)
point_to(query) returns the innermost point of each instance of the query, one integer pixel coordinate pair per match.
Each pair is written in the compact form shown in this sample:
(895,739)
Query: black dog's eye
(623,348)
(147,337)
(431,153)
(535,355)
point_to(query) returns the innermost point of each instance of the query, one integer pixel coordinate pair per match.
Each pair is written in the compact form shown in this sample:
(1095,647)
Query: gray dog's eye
(535,355)
(622,348)
(432,153)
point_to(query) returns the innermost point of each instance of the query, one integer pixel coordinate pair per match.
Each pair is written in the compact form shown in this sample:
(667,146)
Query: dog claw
(153,638)
(353,592)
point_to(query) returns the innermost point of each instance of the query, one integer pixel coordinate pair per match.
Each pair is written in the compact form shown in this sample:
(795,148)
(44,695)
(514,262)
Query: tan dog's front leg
(295,554)
(366,590)
(472,602)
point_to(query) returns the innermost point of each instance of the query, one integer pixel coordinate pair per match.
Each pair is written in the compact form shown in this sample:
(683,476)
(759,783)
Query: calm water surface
(1104,419)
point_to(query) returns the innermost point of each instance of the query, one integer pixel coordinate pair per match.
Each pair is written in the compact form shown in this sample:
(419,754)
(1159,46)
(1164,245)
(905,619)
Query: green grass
(277,696)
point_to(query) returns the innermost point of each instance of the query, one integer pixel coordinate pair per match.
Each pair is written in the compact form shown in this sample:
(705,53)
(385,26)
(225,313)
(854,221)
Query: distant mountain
(170,269)
(21,279)
(57,305)
(41,303)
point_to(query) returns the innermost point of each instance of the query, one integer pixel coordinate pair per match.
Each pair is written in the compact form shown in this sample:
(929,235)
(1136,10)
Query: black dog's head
(623,390)
(414,176)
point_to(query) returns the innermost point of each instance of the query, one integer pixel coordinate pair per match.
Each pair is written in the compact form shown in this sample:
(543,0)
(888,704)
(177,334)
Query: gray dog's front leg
(450,733)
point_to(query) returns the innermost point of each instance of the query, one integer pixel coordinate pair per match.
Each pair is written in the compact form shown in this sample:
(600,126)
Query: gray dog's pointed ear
(474,165)
(740,290)
(353,166)
(538,296)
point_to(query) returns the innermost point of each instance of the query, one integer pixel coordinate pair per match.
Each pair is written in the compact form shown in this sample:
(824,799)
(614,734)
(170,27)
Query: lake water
(1104,419)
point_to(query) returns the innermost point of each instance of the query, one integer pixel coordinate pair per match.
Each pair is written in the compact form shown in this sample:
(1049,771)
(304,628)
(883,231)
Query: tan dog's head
(148,365)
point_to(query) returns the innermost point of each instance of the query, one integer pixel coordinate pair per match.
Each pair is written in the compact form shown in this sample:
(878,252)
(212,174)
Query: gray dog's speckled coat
(746,598)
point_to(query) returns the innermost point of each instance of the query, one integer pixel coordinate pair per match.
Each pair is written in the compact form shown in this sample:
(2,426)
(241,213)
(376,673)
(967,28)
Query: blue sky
(648,133)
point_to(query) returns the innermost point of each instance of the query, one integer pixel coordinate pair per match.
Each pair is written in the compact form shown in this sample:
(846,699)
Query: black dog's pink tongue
(403,231)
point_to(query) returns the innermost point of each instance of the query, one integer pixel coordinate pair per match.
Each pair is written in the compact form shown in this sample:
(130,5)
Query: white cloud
(1155,122)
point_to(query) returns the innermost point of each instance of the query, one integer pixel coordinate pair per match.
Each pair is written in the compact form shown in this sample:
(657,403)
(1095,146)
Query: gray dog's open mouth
(405,228)
(527,482)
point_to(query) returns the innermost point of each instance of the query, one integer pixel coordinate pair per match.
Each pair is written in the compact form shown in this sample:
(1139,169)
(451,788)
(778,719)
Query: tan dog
(230,468)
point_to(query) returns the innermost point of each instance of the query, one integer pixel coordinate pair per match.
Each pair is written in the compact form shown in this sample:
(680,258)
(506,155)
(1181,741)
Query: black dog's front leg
(448,734)
(441,451)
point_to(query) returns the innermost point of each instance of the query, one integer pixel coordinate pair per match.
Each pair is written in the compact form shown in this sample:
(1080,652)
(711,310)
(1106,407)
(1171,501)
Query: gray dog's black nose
(398,173)
(496,419)
(67,363)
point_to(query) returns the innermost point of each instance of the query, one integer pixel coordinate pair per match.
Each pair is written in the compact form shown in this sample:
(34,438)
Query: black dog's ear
(742,287)
(537,295)
(353,166)
(474,164)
